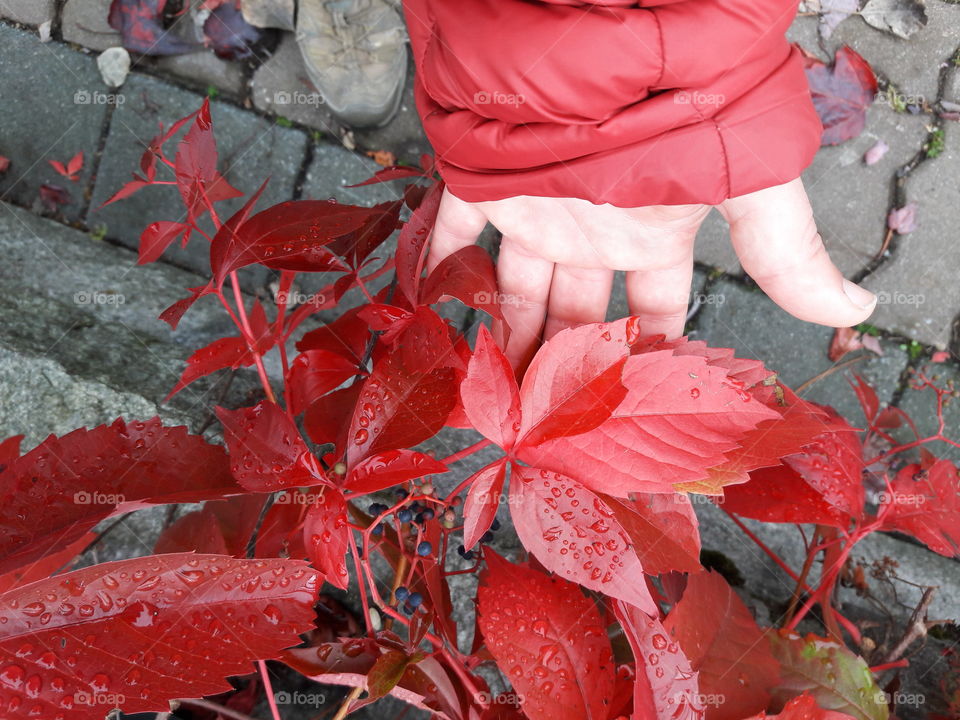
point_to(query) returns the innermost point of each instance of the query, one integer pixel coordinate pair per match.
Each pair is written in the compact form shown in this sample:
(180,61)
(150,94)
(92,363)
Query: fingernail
(861,297)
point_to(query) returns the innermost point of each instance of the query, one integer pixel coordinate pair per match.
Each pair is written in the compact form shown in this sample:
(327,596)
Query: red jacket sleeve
(629,103)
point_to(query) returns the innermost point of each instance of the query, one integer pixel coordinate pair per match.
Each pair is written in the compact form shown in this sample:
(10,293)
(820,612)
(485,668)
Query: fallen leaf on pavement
(876,153)
(901,17)
(903,220)
(841,92)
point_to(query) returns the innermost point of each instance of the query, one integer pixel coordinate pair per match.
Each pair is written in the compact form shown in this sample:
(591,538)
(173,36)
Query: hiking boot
(356,56)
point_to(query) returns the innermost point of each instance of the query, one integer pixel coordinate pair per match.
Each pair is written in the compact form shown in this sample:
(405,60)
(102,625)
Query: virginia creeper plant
(602,447)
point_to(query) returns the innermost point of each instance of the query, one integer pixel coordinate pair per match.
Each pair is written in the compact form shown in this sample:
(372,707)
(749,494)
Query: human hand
(558,256)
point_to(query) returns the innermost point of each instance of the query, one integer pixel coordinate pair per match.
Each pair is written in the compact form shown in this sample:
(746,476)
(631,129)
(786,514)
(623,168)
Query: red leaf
(573,532)
(301,235)
(313,374)
(265,447)
(389,468)
(681,415)
(221,527)
(468,275)
(925,503)
(174,314)
(77,641)
(398,408)
(75,165)
(394,172)
(199,182)
(281,534)
(65,486)
(326,535)
(572,386)
(663,529)
(328,419)
(717,633)
(841,94)
(804,707)
(228,232)
(346,336)
(412,243)
(53,196)
(549,641)
(127,190)
(822,485)
(387,672)
(9,450)
(4,164)
(228,352)
(426,685)
(46,566)
(665,687)
(140,23)
(489,393)
(157,238)
(483,500)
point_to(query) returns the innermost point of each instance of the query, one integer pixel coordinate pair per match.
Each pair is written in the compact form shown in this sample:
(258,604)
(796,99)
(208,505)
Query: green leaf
(838,679)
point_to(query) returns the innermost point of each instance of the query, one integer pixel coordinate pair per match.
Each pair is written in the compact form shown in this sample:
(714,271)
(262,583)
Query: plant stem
(251,340)
(268,689)
(345,707)
(461,454)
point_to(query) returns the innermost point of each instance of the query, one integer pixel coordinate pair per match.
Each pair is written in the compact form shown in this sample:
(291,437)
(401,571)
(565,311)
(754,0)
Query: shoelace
(348,16)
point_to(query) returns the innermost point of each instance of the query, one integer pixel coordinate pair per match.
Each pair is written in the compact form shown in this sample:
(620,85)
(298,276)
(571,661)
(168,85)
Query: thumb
(776,239)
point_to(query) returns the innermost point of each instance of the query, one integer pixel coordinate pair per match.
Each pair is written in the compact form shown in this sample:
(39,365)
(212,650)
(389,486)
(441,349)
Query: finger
(658,297)
(524,282)
(776,239)
(577,296)
(458,225)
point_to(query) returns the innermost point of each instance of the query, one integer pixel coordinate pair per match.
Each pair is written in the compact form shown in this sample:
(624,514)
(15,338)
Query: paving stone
(921,405)
(84,22)
(282,86)
(28,12)
(53,104)
(912,65)
(918,289)
(755,327)
(334,167)
(251,149)
(851,199)
(82,334)
(204,69)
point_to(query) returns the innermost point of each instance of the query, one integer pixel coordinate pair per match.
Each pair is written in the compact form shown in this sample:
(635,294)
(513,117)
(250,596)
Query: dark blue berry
(401,493)
(401,593)
(408,609)
(427,514)
(495,525)
(486,537)
(424,549)
(464,553)
(415,600)
(377,530)
(404,515)
(376,508)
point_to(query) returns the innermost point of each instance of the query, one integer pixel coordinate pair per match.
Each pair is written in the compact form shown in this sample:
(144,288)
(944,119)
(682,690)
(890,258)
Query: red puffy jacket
(629,103)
